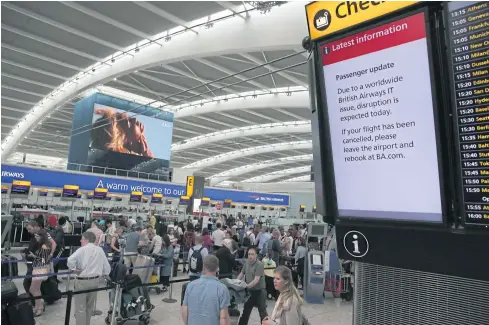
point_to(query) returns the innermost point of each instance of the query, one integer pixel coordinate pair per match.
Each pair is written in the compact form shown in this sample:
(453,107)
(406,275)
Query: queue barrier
(52,260)
(70,293)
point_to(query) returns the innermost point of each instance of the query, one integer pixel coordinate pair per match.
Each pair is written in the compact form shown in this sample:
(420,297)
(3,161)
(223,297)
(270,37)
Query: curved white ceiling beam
(246,131)
(298,99)
(249,152)
(302,178)
(277,174)
(233,35)
(218,178)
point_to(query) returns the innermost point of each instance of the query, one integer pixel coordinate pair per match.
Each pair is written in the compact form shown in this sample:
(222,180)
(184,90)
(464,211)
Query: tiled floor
(332,312)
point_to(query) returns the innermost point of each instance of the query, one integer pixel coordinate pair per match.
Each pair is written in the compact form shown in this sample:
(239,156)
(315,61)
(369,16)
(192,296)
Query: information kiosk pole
(400,117)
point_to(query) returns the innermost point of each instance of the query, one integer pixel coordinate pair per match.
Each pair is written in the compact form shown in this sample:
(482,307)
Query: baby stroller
(129,302)
(237,293)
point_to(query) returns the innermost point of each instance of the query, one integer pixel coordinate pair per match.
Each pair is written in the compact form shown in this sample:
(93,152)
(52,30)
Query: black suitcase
(9,269)
(118,271)
(50,291)
(9,292)
(20,312)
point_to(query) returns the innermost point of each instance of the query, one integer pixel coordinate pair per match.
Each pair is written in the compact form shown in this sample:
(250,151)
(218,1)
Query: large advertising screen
(381,122)
(114,133)
(469,39)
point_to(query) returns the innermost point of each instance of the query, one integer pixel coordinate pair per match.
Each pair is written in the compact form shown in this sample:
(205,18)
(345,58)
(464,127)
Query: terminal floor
(332,312)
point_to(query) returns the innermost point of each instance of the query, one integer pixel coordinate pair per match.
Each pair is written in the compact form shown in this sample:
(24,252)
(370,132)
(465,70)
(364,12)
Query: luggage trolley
(127,303)
(338,278)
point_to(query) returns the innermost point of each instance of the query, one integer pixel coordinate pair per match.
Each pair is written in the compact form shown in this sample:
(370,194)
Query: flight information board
(468,35)
(382,124)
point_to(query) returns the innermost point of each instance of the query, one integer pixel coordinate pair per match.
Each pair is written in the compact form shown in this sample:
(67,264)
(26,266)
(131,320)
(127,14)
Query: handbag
(39,271)
(303,319)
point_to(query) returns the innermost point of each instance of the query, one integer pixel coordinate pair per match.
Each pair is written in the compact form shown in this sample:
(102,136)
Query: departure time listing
(468,31)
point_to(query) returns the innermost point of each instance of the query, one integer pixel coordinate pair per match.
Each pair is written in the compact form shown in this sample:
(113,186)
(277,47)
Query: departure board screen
(468,34)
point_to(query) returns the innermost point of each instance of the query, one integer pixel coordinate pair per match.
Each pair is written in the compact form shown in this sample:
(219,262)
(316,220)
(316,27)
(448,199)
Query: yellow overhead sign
(190,185)
(21,183)
(327,17)
(71,187)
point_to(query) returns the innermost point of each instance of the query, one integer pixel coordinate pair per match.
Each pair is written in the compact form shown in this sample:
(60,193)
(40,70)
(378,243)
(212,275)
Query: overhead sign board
(41,177)
(327,17)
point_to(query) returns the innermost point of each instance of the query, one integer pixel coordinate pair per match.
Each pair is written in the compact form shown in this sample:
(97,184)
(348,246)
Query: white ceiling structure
(233,73)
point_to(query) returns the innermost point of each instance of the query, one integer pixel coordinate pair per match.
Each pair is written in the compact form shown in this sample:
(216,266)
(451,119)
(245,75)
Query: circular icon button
(355,243)
(322,19)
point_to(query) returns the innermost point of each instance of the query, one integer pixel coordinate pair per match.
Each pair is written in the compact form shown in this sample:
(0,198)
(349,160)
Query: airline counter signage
(4,189)
(136,197)
(205,202)
(70,191)
(184,200)
(57,179)
(302,208)
(327,17)
(157,198)
(227,204)
(20,187)
(101,193)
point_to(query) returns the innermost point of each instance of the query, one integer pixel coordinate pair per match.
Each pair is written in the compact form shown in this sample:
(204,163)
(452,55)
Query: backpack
(246,241)
(196,261)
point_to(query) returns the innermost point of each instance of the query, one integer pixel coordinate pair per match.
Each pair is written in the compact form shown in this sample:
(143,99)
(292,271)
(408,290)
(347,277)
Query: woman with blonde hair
(287,310)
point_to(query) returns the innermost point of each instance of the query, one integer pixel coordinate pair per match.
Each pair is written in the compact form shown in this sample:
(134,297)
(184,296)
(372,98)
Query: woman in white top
(287,310)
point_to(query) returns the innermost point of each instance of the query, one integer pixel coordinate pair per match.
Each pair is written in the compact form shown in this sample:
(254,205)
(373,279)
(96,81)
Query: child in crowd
(270,266)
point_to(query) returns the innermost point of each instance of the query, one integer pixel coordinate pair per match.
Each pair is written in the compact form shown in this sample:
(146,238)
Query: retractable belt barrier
(70,293)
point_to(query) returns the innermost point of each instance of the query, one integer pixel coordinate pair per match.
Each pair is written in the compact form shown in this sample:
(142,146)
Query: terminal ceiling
(46,45)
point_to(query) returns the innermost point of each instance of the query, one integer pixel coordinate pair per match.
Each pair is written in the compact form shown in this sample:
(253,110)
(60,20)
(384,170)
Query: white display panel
(381,121)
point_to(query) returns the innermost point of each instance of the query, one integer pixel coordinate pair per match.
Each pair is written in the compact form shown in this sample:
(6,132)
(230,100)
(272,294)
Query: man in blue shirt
(262,239)
(206,300)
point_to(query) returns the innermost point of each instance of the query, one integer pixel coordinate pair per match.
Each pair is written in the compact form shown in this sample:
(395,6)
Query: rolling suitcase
(20,312)
(9,269)
(9,292)
(146,273)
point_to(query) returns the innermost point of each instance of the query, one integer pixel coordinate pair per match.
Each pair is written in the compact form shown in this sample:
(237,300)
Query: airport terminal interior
(245,162)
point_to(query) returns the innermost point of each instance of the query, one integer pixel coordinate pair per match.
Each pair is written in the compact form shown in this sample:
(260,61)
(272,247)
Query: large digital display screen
(114,133)
(70,191)
(130,133)
(469,51)
(381,122)
(20,187)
